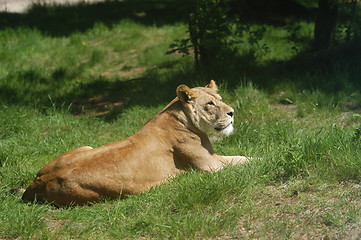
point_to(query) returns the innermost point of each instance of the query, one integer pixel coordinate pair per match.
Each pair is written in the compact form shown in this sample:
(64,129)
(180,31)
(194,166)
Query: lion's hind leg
(38,189)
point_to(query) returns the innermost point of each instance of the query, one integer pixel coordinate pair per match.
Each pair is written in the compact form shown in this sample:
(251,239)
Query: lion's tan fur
(172,141)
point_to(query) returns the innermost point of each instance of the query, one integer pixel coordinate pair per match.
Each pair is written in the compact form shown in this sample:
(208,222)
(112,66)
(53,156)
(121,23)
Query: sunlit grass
(306,133)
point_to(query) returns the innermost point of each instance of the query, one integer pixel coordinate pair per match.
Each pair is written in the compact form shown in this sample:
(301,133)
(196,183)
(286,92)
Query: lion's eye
(211,103)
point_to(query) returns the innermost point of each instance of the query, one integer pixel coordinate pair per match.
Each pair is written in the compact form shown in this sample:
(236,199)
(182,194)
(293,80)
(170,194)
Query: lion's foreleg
(233,160)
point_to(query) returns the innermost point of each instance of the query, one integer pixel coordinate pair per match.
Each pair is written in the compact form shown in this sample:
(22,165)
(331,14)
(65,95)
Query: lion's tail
(14,191)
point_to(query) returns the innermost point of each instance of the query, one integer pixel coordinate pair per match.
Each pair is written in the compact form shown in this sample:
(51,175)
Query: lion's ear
(185,94)
(212,84)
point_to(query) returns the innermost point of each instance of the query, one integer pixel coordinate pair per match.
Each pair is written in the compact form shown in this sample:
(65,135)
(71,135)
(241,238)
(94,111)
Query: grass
(101,79)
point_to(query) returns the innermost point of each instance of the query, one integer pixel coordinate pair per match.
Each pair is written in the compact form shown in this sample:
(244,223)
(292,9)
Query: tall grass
(302,122)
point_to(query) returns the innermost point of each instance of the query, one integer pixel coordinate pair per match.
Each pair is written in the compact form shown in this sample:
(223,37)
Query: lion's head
(204,107)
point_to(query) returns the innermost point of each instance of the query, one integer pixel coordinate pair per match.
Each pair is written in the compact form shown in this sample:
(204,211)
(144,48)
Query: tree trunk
(325,24)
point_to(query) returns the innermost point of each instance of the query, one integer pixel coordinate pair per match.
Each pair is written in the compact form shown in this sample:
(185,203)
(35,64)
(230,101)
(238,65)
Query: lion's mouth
(221,128)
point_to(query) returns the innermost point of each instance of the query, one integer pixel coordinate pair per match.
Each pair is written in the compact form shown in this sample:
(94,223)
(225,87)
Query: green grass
(90,84)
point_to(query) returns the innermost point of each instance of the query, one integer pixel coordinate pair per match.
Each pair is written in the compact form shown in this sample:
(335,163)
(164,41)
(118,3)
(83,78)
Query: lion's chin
(227,130)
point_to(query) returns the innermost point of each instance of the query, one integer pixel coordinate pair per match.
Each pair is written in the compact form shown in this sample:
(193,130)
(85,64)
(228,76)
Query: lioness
(173,140)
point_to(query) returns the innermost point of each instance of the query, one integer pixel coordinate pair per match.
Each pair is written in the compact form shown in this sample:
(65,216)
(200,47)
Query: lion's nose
(230,113)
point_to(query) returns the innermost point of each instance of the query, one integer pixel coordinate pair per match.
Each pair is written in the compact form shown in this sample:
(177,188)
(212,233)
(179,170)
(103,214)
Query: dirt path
(20,6)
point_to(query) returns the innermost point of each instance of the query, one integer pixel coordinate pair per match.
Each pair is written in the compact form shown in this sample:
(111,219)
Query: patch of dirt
(304,212)
(97,106)
(124,73)
(133,71)
(289,109)
(54,225)
(283,103)
(345,119)
(353,106)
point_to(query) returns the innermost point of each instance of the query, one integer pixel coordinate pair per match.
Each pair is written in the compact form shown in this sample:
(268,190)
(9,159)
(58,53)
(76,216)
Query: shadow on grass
(117,96)
(63,20)
(331,71)
(107,98)
(101,96)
